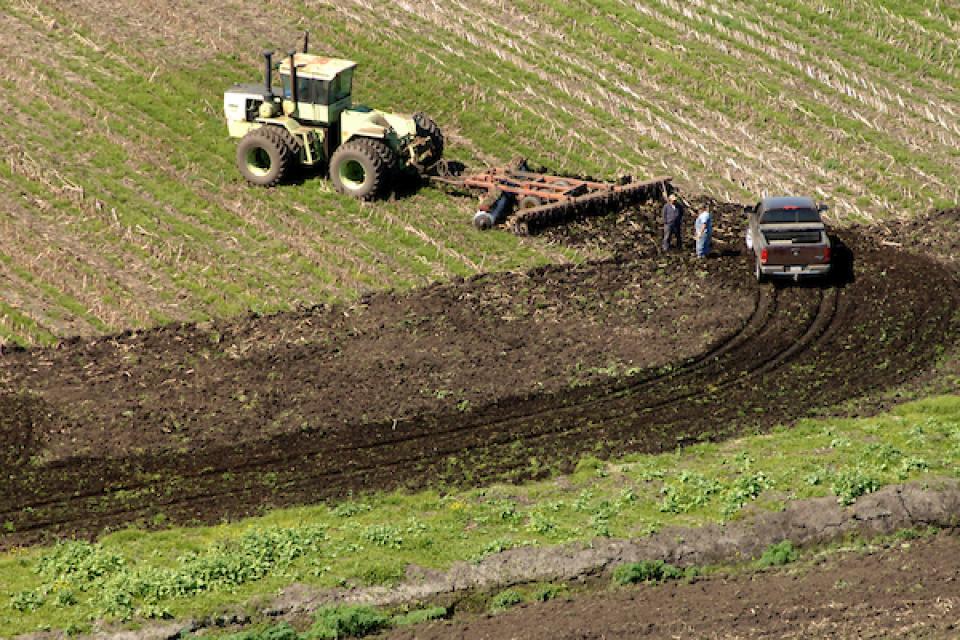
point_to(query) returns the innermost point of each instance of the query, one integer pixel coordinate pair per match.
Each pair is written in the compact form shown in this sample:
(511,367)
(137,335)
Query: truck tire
(361,168)
(758,272)
(263,156)
(428,128)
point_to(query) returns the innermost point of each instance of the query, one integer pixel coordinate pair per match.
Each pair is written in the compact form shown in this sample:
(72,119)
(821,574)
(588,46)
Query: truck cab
(788,238)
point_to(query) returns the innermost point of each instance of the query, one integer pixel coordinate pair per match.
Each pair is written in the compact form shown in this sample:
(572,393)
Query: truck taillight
(826,254)
(763,256)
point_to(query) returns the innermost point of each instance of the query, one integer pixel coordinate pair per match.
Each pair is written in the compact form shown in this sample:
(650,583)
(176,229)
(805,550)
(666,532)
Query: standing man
(672,219)
(702,230)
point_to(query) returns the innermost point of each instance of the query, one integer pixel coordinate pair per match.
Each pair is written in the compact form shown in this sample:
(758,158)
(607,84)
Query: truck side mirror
(747,210)
(822,207)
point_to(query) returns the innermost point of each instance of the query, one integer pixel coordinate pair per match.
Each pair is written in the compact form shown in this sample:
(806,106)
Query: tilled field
(500,377)
(901,591)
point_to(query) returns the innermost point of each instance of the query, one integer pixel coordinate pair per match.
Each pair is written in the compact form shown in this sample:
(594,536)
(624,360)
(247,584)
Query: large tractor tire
(362,168)
(264,156)
(428,128)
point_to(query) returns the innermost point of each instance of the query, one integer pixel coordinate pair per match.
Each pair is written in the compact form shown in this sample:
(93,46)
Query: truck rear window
(792,237)
(780,216)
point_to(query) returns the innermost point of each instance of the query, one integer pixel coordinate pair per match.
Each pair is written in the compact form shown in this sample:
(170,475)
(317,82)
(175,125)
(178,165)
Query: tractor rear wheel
(428,128)
(361,168)
(264,157)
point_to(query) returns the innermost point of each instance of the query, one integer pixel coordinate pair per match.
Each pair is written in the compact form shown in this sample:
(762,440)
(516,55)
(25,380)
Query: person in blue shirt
(702,230)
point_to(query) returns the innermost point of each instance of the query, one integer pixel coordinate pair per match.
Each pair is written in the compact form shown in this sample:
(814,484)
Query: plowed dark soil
(902,591)
(458,383)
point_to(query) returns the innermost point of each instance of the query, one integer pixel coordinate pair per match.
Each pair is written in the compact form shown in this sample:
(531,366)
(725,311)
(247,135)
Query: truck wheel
(427,127)
(360,168)
(263,157)
(758,272)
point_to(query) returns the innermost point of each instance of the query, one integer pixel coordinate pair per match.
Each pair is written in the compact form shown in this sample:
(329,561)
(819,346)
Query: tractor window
(304,89)
(312,91)
(321,89)
(341,86)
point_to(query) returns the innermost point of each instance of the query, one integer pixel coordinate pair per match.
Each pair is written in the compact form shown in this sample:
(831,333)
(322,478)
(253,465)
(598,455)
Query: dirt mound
(461,382)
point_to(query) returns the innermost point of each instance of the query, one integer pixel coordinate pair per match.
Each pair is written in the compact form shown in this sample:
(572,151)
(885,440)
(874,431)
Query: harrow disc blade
(597,203)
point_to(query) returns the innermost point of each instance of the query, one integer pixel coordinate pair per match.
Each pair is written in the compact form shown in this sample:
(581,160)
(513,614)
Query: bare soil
(458,383)
(900,590)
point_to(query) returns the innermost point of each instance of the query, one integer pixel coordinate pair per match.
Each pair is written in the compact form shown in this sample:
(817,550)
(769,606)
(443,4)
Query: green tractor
(310,120)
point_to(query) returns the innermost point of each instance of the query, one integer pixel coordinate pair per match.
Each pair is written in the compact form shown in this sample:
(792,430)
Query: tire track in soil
(749,379)
(763,310)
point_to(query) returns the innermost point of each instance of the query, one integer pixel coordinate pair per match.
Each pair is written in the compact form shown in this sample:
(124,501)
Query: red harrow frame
(537,200)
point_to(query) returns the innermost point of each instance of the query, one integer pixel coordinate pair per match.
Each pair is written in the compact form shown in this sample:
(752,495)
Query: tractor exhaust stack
(268,73)
(306,41)
(293,80)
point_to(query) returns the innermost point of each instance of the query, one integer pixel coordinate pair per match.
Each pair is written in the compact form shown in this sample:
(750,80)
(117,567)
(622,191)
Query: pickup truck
(788,238)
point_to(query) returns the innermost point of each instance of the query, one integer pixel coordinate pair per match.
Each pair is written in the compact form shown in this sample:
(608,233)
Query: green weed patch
(650,571)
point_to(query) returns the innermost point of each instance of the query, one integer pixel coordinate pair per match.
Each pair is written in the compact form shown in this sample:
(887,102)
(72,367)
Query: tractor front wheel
(361,168)
(264,157)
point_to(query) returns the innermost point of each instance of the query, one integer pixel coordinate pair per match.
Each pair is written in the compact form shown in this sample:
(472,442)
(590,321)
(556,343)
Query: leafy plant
(848,485)
(347,621)
(384,535)
(546,592)
(690,491)
(27,600)
(745,488)
(419,616)
(350,509)
(505,600)
(650,571)
(779,554)
(79,562)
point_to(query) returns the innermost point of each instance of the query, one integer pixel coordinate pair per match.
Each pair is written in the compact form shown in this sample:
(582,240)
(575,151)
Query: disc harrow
(527,201)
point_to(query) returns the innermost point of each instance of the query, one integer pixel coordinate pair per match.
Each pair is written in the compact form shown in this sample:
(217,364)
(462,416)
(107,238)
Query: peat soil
(898,590)
(458,383)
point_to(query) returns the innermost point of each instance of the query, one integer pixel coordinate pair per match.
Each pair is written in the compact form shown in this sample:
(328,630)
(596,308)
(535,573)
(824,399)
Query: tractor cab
(316,89)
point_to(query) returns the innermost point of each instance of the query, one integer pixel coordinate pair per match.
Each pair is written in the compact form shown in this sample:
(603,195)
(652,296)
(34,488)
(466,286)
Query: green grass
(185,572)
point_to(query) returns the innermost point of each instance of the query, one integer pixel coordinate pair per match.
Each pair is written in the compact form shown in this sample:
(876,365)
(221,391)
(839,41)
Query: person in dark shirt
(672,220)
